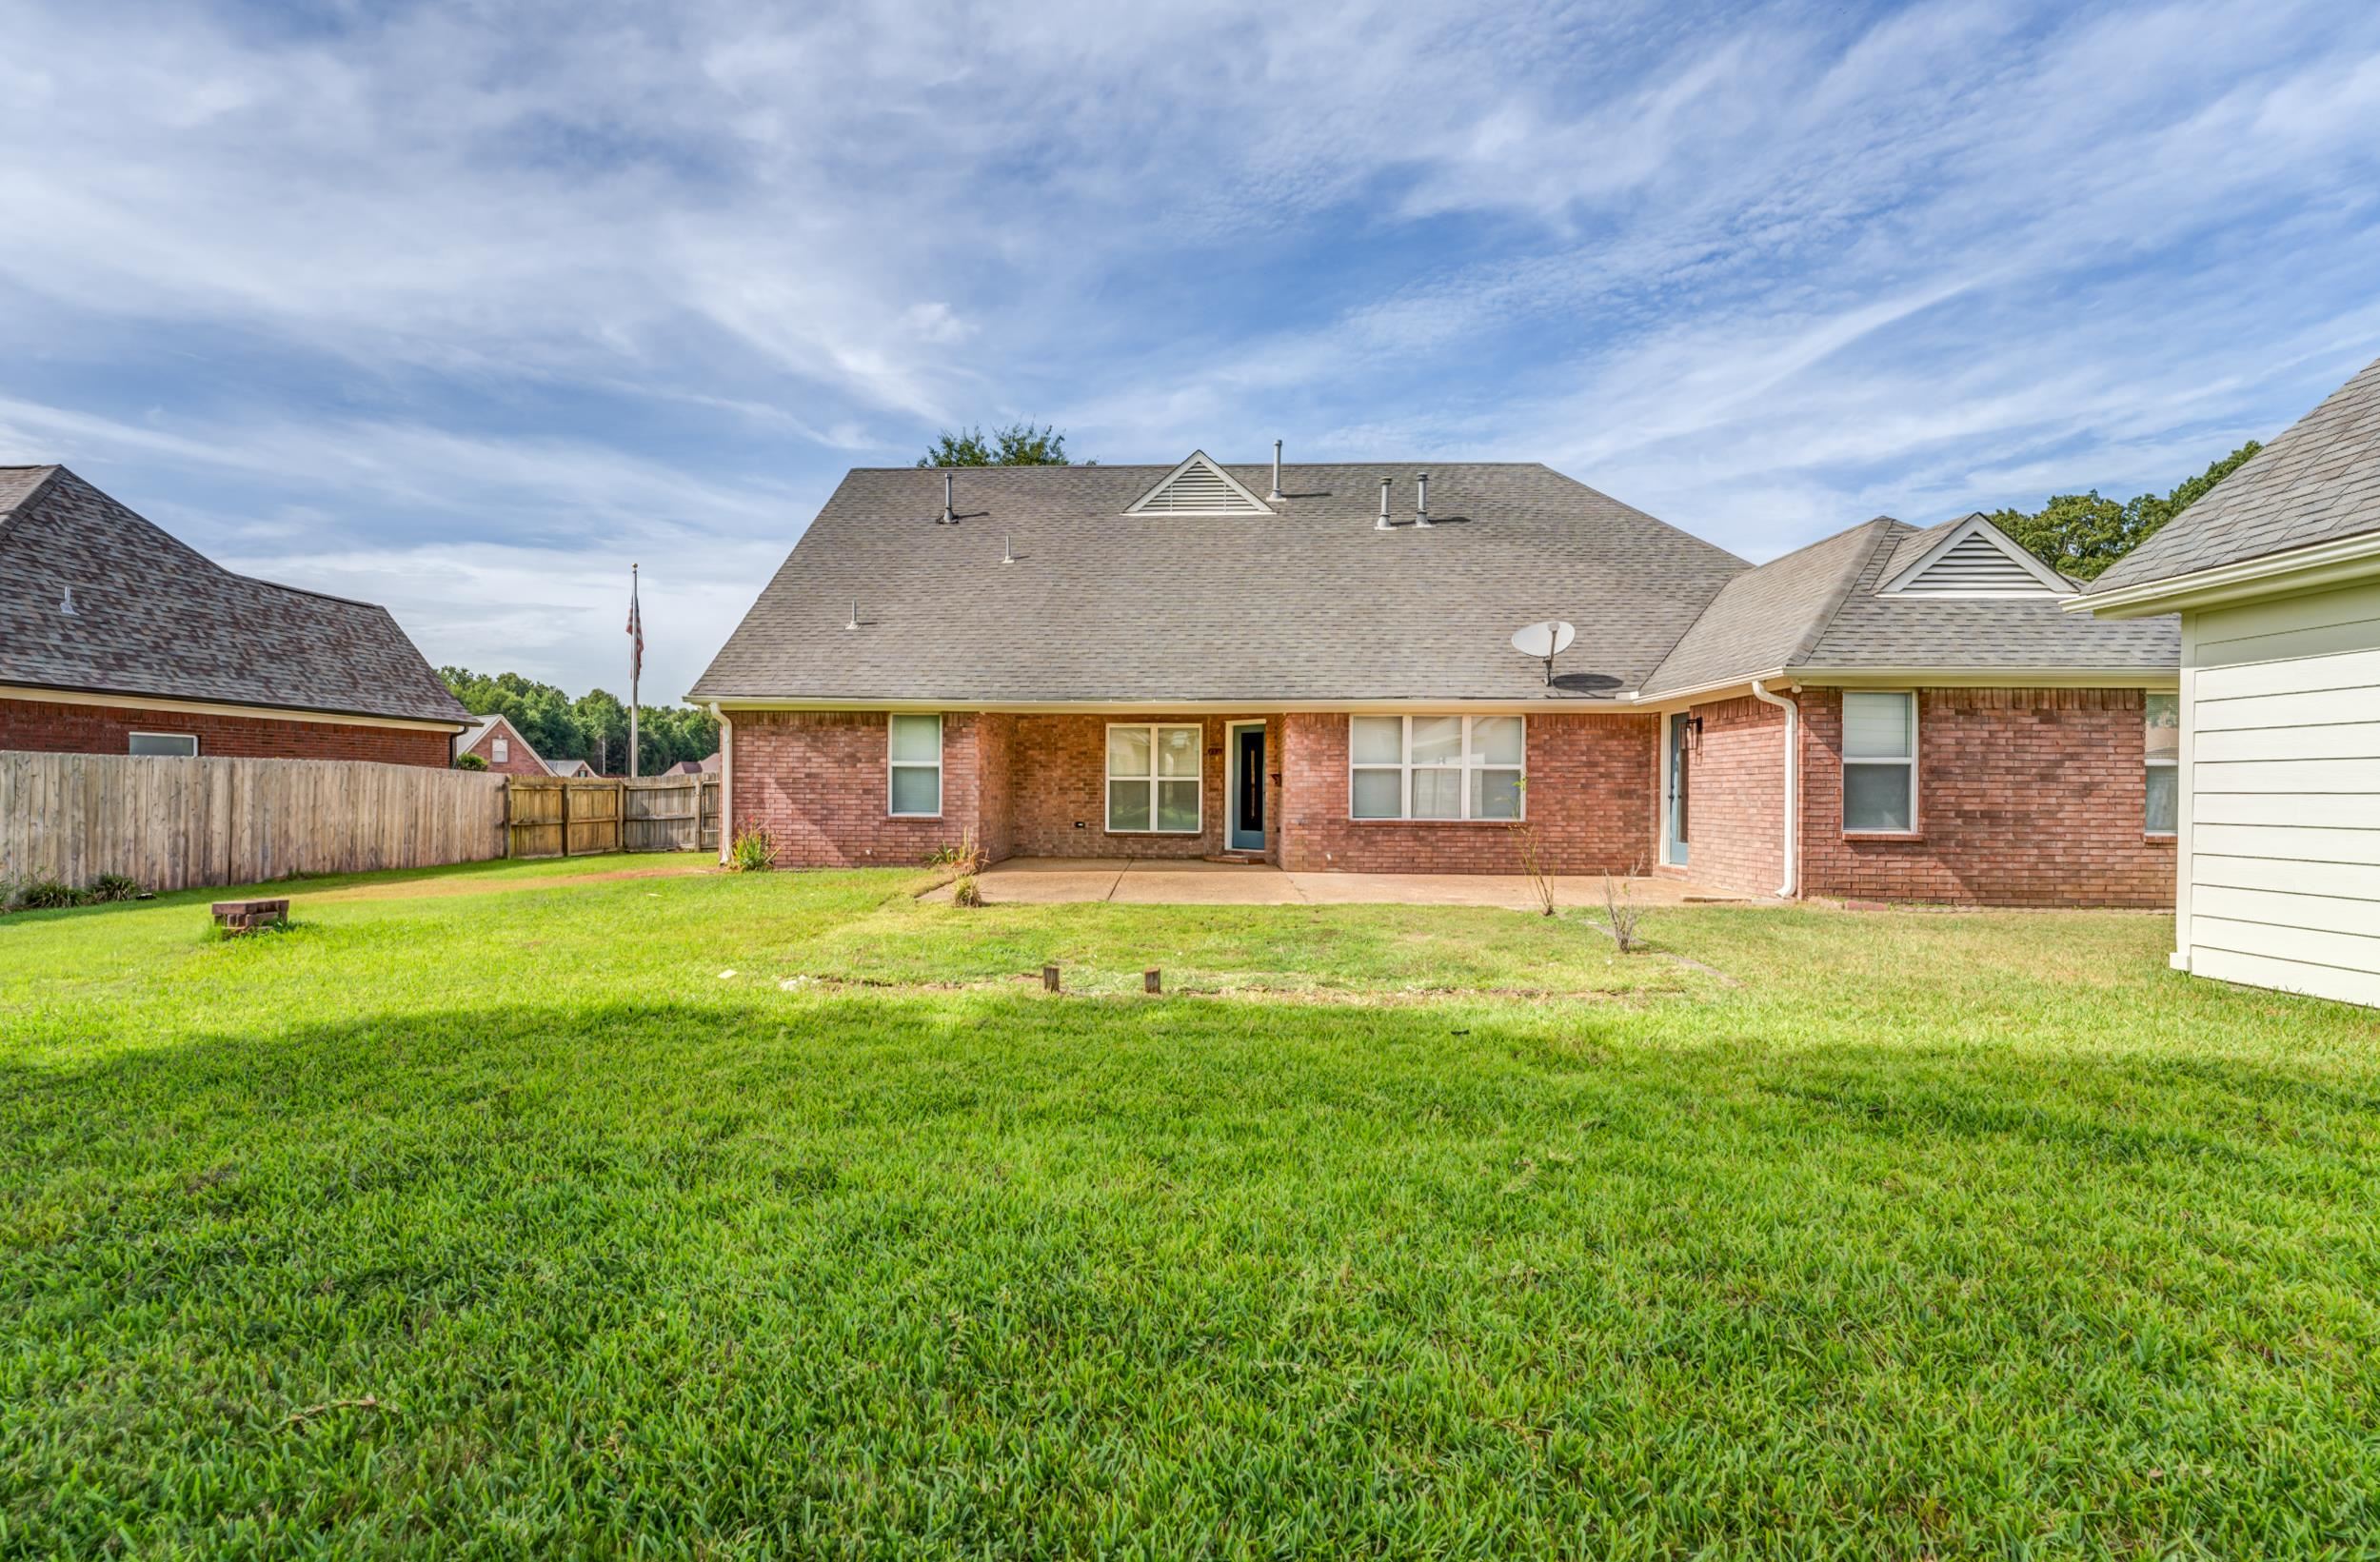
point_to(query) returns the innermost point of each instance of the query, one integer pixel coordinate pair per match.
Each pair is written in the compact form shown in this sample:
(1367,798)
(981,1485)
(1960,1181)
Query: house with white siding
(2276,577)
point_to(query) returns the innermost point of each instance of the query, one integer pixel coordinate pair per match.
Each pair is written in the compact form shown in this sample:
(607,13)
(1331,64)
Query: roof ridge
(1840,592)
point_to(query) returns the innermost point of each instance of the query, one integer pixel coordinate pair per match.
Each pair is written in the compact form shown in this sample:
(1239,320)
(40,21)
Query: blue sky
(464,307)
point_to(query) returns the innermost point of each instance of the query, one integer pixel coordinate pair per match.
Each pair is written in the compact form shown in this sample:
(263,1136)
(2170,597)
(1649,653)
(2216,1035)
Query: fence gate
(553,816)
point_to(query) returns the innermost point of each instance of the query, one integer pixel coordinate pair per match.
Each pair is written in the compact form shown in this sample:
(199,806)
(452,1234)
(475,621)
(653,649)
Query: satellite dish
(1544,640)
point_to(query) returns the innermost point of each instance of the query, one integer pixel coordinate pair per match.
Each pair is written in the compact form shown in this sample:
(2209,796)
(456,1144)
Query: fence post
(565,818)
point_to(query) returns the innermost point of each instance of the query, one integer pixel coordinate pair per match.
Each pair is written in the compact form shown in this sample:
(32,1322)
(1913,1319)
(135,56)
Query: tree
(604,723)
(1019,445)
(593,727)
(2083,534)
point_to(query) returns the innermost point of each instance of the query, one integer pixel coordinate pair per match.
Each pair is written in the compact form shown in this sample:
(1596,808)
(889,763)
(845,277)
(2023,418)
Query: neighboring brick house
(495,740)
(1312,665)
(117,639)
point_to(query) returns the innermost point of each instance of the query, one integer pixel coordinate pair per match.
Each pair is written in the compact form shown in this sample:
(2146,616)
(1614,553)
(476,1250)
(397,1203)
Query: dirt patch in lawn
(425,888)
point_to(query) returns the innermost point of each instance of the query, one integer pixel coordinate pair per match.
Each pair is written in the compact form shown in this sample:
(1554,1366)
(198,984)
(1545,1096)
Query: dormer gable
(1975,559)
(1198,486)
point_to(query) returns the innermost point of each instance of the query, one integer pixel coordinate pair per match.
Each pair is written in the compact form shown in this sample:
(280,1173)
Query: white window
(2164,746)
(1155,779)
(502,749)
(914,750)
(1880,762)
(1434,766)
(182,745)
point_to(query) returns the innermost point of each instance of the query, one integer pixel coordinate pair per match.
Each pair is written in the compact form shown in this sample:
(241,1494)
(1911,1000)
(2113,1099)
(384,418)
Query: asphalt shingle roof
(153,617)
(1309,604)
(1314,604)
(2318,480)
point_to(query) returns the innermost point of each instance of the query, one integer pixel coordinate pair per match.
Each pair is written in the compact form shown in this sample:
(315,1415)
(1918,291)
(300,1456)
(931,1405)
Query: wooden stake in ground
(1049,979)
(1151,981)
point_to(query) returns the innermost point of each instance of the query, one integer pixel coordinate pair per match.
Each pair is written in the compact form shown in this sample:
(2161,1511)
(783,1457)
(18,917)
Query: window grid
(1153,795)
(1470,770)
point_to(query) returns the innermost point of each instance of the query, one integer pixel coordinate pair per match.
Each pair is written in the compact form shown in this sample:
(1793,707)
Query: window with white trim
(913,747)
(503,750)
(1156,779)
(2163,745)
(1434,766)
(1880,761)
(175,746)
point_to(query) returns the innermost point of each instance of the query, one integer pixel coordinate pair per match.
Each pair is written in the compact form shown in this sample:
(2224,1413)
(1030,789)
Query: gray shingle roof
(1309,604)
(1818,608)
(153,617)
(1313,605)
(2317,480)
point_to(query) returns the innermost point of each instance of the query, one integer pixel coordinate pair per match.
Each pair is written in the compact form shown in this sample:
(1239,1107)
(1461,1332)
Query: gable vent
(1198,486)
(1975,565)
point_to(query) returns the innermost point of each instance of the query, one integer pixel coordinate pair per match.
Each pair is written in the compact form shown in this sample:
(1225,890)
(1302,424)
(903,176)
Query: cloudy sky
(462,308)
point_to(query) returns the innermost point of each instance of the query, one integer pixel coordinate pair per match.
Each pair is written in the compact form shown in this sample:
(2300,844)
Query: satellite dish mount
(1545,641)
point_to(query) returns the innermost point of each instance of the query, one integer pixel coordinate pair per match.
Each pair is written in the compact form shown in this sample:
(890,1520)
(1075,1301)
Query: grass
(1907,1234)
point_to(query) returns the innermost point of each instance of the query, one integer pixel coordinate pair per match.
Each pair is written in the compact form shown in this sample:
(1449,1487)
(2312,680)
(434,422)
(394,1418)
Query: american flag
(636,631)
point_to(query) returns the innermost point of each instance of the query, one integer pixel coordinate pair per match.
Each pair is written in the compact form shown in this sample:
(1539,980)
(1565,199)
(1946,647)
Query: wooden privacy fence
(175,823)
(553,816)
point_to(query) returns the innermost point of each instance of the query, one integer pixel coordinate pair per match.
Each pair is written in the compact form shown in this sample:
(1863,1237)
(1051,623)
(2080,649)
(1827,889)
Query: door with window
(1247,786)
(1680,788)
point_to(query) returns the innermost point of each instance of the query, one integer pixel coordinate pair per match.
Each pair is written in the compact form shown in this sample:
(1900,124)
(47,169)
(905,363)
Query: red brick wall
(2025,797)
(1735,800)
(817,782)
(59,727)
(1590,802)
(518,758)
(997,809)
(1060,773)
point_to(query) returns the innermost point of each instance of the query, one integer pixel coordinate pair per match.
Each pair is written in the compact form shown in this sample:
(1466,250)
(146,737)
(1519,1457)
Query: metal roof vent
(66,603)
(1382,524)
(1277,494)
(950,517)
(1421,502)
(1198,486)
(855,614)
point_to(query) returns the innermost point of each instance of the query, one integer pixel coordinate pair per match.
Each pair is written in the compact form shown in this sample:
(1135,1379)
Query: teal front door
(1680,769)
(1247,787)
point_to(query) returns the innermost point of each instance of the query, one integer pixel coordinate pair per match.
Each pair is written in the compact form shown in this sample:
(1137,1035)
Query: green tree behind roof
(2083,534)
(1019,445)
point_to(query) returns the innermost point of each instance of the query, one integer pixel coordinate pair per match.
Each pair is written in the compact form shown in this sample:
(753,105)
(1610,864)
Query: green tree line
(2083,534)
(593,727)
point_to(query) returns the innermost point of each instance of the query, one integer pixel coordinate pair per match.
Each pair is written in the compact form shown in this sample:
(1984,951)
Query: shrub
(47,895)
(966,892)
(753,852)
(115,886)
(470,762)
(967,856)
(1620,904)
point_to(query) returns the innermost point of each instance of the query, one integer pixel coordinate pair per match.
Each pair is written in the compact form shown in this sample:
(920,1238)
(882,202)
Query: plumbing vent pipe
(949,517)
(1382,524)
(855,614)
(1276,493)
(1421,502)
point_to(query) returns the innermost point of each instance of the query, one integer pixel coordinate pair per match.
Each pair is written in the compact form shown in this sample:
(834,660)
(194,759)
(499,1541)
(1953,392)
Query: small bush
(967,856)
(47,895)
(115,886)
(1620,904)
(966,892)
(753,852)
(470,762)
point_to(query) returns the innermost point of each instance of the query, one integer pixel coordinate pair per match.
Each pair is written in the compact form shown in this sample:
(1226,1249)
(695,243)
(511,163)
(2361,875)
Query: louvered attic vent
(1977,564)
(1198,486)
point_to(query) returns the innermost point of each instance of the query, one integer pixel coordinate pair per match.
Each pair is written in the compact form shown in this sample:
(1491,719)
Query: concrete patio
(1059,881)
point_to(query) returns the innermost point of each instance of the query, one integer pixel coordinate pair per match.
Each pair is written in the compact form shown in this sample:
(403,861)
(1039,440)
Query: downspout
(727,783)
(1791,886)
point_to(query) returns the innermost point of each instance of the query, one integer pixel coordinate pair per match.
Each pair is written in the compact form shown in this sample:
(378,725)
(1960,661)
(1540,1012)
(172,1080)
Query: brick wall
(518,760)
(1590,804)
(816,781)
(996,809)
(59,727)
(1060,796)
(2025,797)
(1735,798)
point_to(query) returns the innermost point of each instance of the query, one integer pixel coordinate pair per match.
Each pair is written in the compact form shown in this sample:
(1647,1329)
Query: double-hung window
(914,745)
(1434,766)
(2164,752)
(504,751)
(1880,761)
(1154,779)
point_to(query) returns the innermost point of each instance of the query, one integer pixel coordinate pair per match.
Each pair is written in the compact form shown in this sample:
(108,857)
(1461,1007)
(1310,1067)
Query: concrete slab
(1147,882)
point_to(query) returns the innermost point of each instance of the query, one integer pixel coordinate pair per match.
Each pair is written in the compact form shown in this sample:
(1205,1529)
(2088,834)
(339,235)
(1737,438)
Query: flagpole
(636,665)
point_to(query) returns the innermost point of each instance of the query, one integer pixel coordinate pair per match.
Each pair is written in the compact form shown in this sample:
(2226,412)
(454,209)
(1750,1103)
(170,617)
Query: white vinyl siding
(913,746)
(1879,762)
(2280,794)
(1156,779)
(1436,768)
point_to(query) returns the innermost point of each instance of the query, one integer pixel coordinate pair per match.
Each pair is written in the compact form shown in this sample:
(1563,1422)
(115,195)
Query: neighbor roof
(1304,601)
(2318,480)
(153,617)
(468,737)
(1824,609)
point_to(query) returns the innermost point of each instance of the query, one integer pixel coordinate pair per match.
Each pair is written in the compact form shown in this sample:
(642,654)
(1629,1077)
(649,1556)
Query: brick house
(117,639)
(1312,666)
(495,740)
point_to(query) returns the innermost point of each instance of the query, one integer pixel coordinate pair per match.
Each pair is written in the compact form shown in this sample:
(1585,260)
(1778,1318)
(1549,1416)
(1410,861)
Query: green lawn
(1898,1234)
